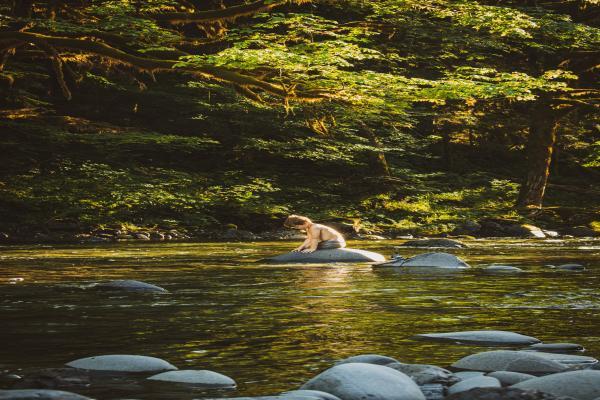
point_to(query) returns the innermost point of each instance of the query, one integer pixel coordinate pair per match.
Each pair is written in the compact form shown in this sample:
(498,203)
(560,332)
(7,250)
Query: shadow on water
(272,327)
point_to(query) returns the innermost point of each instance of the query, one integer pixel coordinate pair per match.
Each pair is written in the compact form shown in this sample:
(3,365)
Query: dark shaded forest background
(401,116)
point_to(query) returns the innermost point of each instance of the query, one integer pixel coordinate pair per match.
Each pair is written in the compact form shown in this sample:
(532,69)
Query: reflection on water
(272,327)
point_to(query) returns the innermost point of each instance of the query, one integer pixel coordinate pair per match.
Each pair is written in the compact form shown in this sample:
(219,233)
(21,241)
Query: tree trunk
(378,162)
(540,144)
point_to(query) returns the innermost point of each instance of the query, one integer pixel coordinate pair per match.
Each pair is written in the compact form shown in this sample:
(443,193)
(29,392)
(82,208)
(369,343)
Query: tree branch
(152,64)
(226,14)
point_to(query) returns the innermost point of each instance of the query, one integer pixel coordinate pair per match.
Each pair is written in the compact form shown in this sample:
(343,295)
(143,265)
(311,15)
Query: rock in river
(477,382)
(567,359)
(39,394)
(508,378)
(122,363)
(502,269)
(508,393)
(195,377)
(557,347)
(369,359)
(431,260)
(315,394)
(129,285)
(582,385)
(424,374)
(359,381)
(481,337)
(328,256)
(508,360)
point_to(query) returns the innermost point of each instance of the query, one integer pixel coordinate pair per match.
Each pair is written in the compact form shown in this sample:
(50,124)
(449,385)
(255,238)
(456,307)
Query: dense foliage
(409,115)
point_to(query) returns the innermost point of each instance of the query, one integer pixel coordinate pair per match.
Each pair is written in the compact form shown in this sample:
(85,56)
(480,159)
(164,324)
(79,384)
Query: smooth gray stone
(557,347)
(449,243)
(39,394)
(129,285)
(464,375)
(312,394)
(567,359)
(571,267)
(359,381)
(505,393)
(508,360)
(476,382)
(369,359)
(328,256)
(508,378)
(502,269)
(481,337)
(435,260)
(582,385)
(424,374)
(433,391)
(195,377)
(122,363)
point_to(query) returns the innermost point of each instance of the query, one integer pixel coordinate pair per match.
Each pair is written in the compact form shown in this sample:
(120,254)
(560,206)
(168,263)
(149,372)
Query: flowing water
(272,327)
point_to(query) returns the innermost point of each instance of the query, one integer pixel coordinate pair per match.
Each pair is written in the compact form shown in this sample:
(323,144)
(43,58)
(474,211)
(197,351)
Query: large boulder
(427,260)
(582,385)
(359,381)
(482,337)
(508,360)
(448,243)
(129,285)
(195,377)
(369,359)
(328,256)
(477,382)
(508,378)
(122,363)
(39,394)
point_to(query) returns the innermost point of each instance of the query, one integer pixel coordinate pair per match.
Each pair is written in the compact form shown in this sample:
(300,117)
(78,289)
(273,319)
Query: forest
(396,116)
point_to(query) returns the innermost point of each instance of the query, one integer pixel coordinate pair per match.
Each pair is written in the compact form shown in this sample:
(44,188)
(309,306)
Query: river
(272,327)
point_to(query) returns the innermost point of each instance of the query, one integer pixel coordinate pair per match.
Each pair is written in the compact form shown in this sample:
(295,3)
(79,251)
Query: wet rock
(317,394)
(571,267)
(4,237)
(567,359)
(481,337)
(582,231)
(477,382)
(54,378)
(195,377)
(39,394)
(551,234)
(502,269)
(508,360)
(122,363)
(359,381)
(370,237)
(124,236)
(557,347)
(424,374)
(582,385)
(427,260)
(464,375)
(433,391)
(508,378)
(449,243)
(467,228)
(157,236)
(236,234)
(141,236)
(504,394)
(369,359)
(129,285)
(524,231)
(327,256)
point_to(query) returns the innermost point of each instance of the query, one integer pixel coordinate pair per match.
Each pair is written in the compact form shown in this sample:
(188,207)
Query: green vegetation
(412,116)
